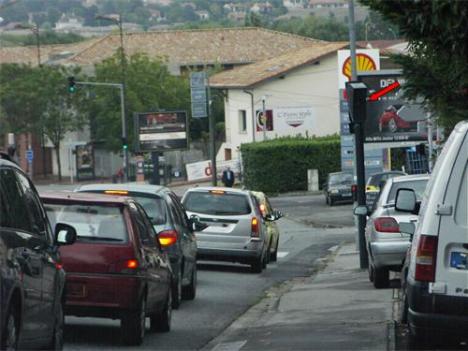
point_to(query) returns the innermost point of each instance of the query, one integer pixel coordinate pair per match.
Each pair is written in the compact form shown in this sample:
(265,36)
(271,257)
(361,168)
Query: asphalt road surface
(226,290)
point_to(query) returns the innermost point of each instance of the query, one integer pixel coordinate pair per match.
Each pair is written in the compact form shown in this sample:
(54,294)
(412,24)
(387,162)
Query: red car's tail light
(131,264)
(167,238)
(426,258)
(386,225)
(255,227)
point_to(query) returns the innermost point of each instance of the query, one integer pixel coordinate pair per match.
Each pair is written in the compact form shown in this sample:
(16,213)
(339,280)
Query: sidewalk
(335,309)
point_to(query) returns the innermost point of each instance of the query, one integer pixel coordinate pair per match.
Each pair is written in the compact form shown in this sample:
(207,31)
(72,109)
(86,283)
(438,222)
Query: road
(225,291)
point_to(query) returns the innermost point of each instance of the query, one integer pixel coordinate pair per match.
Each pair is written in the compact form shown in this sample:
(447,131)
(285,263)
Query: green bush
(280,165)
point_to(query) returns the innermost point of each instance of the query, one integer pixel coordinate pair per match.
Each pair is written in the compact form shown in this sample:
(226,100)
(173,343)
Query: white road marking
(282,254)
(230,346)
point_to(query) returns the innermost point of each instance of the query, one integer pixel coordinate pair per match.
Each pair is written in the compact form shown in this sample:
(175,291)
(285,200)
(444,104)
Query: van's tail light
(426,258)
(168,238)
(386,225)
(255,227)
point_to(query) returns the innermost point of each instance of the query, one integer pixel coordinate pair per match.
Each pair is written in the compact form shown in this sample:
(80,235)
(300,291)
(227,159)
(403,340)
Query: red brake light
(167,238)
(263,209)
(255,227)
(426,258)
(386,225)
(131,264)
(353,188)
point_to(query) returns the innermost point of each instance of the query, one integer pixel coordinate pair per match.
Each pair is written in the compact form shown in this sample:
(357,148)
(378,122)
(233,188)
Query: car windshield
(217,203)
(341,178)
(154,207)
(417,185)
(92,222)
(376,179)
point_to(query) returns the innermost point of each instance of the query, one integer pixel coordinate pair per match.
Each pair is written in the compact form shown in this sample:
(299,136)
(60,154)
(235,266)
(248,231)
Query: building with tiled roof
(298,91)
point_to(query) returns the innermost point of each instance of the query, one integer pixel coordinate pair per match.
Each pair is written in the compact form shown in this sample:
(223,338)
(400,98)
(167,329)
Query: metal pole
(352,40)
(264,122)
(124,133)
(212,138)
(429,140)
(252,108)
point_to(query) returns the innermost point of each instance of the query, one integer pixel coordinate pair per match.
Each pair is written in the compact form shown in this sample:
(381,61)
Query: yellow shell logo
(363,62)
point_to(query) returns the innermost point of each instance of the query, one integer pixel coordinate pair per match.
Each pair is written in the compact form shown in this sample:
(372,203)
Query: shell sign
(367,60)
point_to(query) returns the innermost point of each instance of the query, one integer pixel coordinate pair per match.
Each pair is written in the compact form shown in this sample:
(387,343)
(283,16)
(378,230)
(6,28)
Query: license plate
(347,194)
(459,260)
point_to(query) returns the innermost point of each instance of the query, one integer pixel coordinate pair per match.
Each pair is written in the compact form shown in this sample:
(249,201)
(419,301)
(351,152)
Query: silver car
(235,229)
(386,246)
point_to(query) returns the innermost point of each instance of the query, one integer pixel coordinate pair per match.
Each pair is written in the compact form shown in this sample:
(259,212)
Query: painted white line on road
(229,346)
(282,254)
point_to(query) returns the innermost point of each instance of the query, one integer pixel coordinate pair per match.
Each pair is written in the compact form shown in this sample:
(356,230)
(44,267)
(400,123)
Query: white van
(436,287)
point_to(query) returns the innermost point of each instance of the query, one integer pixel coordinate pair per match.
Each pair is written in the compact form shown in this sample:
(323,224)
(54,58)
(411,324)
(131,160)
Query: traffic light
(124,144)
(357,94)
(71,85)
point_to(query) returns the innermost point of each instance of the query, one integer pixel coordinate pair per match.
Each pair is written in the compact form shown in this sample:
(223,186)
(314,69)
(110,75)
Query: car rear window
(417,185)
(100,223)
(154,207)
(217,203)
(341,178)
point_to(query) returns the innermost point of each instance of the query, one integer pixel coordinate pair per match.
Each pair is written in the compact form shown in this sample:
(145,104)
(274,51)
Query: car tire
(381,277)
(274,255)
(190,291)
(133,325)
(161,322)
(257,265)
(56,342)
(10,330)
(177,290)
(419,341)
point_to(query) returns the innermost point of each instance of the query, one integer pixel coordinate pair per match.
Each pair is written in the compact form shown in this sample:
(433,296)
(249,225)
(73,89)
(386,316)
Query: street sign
(29,155)
(198,94)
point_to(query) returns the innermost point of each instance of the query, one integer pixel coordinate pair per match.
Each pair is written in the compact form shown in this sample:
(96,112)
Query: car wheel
(161,322)
(133,325)
(57,337)
(257,265)
(177,290)
(381,277)
(274,255)
(189,292)
(419,341)
(392,126)
(10,332)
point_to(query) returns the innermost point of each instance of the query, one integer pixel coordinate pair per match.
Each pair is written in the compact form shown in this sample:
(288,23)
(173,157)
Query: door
(452,253)
(187,237)
(26,253)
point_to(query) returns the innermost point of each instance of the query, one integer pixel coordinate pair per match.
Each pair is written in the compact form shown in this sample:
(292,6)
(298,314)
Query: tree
(149,87)
(435,67)
(35,100)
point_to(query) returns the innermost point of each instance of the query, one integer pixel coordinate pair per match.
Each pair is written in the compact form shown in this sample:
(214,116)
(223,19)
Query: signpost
(198,94)
(30,156)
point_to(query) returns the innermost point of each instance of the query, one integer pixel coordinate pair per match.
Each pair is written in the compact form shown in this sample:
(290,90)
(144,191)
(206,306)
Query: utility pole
(357,100)
(264,117)
(212,126)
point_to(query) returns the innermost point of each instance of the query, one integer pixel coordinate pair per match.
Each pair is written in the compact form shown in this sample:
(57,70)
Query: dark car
(338,187)
(171,224)
(116,269)
(31,276)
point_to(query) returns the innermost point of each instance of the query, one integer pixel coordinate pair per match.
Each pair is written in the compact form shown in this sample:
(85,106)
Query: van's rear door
(452,253)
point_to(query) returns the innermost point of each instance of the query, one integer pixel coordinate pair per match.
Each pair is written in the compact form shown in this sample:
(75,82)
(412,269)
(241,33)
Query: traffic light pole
(124,123)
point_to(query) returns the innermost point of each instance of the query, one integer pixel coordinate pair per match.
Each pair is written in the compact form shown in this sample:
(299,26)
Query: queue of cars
(119,251)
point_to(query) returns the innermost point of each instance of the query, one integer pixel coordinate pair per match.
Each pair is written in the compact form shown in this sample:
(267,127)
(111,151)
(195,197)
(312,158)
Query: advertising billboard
(161,131)
(391,118)
(84,161)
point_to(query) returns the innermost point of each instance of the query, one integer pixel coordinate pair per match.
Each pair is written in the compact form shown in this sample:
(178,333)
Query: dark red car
(116,268)
(391,121)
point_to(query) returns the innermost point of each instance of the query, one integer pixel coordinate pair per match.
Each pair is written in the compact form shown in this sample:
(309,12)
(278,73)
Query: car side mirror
(405,201)
(407,228)
(64,234)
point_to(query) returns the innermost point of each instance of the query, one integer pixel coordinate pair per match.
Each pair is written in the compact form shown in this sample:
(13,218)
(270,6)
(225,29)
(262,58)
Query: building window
(242,121)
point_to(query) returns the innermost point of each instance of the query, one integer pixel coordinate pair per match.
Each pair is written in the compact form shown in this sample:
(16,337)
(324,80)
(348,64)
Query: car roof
(132,187)
(410,178)
(5,160)
(387,172)
(226,189)
(84,197)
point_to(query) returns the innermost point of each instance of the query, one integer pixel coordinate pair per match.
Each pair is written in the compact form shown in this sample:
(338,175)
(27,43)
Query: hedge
(280,165)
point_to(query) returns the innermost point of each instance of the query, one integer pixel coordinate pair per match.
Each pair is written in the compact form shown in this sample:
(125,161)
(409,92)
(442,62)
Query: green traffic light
(72,89)
(125,147)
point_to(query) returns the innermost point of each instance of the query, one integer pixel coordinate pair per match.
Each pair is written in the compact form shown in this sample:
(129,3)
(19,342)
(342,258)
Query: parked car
(376,182)
(171,224)
(435,294)
(338,187)
(235,229)
(116,269)
(32,279)
(272,228)
(386,245)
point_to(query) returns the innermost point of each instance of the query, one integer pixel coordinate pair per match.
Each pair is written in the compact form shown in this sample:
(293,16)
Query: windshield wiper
(102,238)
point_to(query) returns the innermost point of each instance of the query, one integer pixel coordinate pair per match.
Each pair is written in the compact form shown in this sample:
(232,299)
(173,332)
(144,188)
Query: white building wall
(312,88)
